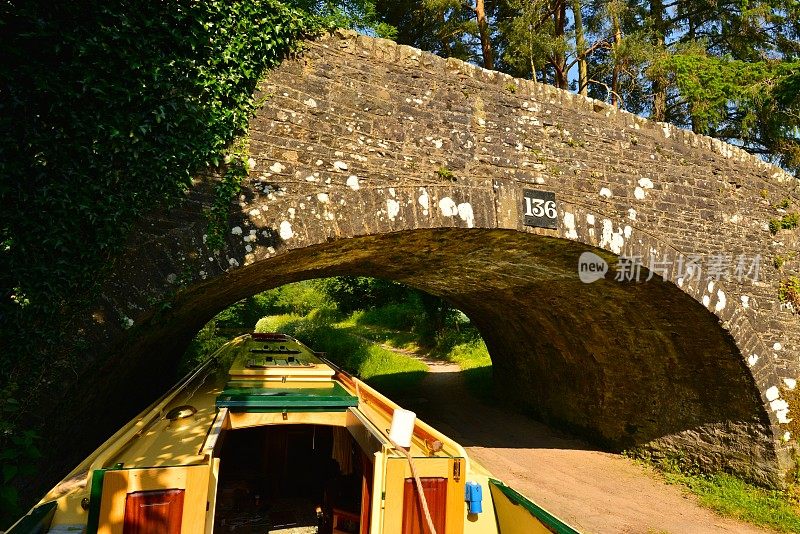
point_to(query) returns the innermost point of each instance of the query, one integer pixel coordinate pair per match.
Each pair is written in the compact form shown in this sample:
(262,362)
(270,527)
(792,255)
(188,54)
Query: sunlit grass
(275,323)
(398,339)
(728,495)
(388,371)
(735,498)
(470,355)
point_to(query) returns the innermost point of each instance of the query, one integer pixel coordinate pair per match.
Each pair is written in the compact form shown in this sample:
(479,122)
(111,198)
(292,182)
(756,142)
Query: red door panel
(153,512)
(435,490)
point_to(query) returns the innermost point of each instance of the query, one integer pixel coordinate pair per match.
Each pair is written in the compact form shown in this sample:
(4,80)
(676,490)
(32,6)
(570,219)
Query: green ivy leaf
(9,472)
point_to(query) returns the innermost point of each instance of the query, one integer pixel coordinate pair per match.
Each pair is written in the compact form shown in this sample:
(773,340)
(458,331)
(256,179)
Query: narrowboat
(268,436)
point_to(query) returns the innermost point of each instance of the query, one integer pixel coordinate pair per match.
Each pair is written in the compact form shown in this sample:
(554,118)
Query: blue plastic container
(474,497)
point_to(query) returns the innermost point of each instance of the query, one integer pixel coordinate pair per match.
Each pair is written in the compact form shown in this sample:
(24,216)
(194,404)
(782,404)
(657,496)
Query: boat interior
(290,479)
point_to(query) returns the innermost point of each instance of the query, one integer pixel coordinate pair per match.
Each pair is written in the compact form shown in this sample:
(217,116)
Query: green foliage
(406,316)
(402,340)
(105,116)
(286,303)
(789,221)
(734,498)
(714,84)
(350,293)
(224,193)
(301,298)
(444,172)
(444,27)
(19,456)
(410,321)
(473,358)
(358,15)
(470,355)
(203,345)
(529,36)
(789,292)
(107,111)
(276,323)
(726,69)
(391,372)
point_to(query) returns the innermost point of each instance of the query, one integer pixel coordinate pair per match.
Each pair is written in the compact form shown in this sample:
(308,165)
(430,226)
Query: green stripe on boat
(549,520)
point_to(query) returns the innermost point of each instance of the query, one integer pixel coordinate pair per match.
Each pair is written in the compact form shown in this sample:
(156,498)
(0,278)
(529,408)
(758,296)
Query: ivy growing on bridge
(107,109)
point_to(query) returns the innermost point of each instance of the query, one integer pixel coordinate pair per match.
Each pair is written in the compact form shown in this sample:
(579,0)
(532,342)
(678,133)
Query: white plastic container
(402,427)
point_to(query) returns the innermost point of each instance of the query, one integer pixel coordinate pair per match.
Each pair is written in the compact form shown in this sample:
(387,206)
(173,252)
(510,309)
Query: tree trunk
(580,48)
(659,83)
(486,38)
(617,68)
(559,61)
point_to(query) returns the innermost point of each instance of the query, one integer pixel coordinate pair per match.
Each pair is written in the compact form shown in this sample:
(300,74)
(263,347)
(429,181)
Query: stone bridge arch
(378,159)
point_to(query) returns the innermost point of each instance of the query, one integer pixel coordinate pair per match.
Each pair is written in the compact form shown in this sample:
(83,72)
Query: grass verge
(732,497)
(735,498)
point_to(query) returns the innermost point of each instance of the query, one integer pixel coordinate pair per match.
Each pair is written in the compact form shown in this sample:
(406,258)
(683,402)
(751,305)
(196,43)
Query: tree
(359,15)
(449,28)
(580,48)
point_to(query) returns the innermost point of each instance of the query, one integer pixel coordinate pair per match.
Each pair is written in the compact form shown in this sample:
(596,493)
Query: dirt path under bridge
(596,492)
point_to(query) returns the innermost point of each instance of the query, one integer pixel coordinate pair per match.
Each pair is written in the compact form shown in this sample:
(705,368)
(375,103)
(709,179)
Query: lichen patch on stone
(352,182)
(448,207)
(645,183)
(569,225)
(286,231)
(392,208)
(424,200)
(465,212)
(722,301)
(613,241)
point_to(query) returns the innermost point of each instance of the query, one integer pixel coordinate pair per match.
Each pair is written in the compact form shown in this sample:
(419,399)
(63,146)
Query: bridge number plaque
(539,209)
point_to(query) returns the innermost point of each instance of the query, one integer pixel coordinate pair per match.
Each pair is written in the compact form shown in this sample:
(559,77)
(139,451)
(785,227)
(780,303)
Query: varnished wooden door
(443,485)
(435,490)
(153,512)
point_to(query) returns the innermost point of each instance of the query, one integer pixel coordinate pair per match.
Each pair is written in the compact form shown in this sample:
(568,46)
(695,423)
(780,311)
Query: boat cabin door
(443,485)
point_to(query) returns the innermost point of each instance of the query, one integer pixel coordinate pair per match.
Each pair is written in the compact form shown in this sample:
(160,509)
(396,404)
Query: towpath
(596,492)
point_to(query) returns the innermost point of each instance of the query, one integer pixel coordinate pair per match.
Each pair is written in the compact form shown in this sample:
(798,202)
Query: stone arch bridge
(370,158)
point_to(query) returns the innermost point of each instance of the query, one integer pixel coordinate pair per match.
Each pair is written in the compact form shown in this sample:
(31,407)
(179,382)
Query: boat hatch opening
(292,478)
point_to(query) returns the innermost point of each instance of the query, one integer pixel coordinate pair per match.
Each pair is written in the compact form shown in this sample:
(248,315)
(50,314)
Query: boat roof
(276,373)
